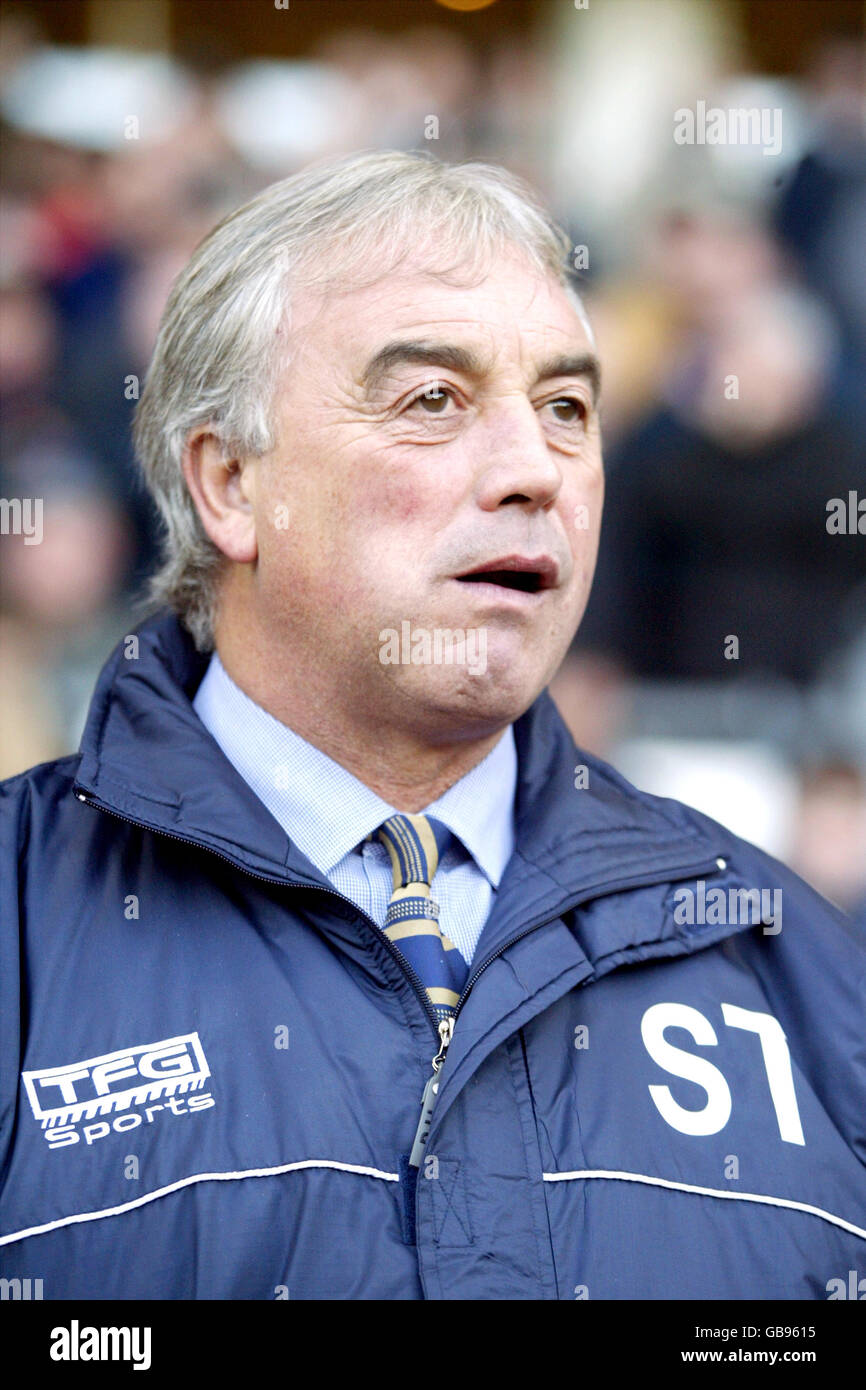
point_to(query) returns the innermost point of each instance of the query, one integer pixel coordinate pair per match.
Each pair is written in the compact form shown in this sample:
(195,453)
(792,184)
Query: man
(338,971)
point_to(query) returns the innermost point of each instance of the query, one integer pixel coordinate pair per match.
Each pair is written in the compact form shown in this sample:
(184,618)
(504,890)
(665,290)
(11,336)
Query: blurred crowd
(728,293)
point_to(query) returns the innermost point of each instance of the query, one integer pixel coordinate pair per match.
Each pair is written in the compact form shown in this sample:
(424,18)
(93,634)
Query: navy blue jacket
(212,1062)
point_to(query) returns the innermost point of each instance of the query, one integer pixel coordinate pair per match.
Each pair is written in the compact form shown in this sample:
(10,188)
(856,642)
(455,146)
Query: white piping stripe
(709,1192)
(188,1182)
(395,1177)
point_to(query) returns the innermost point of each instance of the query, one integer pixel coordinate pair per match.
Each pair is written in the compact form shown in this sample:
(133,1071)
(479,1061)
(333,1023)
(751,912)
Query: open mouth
(528,581)
(523,573)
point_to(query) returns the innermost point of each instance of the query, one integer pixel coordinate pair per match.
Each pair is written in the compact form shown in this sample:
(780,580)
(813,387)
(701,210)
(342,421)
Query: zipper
(443,1028)
(431,1090)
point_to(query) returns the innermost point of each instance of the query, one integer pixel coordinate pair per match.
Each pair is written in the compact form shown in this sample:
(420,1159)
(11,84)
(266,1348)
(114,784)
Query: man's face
(427,432)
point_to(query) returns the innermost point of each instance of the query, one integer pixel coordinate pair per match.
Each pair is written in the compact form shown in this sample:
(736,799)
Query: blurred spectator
(417,89)
(717,500)
(821,216)
(61,584)
(829,843)
(593,699)
(57,623)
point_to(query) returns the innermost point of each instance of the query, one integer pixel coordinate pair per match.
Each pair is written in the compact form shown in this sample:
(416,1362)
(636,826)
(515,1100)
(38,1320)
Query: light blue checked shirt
(328,813)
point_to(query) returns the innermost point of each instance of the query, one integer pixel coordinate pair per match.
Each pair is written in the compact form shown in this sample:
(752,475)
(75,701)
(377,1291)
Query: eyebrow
(464,360)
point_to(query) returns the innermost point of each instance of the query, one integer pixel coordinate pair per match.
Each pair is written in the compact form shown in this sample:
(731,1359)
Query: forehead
(510,310)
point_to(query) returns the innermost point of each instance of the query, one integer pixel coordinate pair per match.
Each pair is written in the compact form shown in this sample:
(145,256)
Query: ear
(223,489)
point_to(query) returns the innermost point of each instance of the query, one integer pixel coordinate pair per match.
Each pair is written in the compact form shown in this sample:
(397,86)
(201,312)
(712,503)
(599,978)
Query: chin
(475,704)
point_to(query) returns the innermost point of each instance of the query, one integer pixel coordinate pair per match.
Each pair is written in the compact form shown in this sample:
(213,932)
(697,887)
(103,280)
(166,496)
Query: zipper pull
(431,1090)
(446,1033)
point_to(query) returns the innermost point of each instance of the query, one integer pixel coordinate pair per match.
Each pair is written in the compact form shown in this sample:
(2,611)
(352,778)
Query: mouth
(516,572)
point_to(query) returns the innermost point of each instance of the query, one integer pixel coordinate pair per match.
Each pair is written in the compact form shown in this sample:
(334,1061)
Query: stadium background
(129,127)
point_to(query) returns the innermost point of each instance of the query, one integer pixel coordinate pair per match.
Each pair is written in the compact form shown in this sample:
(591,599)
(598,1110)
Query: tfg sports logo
(138,1082)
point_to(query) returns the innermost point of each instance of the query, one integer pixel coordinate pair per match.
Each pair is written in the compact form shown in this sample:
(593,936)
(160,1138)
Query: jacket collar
(146,756)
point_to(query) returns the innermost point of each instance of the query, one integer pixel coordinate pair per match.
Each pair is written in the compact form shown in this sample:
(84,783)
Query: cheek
(395,517)
(582,513)
(397,491)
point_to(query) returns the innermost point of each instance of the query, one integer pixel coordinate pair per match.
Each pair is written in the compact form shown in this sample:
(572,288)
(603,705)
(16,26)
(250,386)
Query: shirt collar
(324,809)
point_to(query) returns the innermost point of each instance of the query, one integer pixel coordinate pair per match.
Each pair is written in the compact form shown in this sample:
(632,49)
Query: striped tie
(415,845)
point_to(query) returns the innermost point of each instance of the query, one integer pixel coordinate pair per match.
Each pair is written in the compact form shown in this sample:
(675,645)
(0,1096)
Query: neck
(397,762)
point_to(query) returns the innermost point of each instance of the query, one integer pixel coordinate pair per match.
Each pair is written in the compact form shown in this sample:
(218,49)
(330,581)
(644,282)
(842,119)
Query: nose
(515,464)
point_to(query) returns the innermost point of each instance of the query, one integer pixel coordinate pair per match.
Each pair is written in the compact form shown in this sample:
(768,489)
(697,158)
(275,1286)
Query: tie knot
(415,845)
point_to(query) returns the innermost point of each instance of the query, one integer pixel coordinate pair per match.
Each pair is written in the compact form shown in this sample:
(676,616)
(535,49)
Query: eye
(568,410)
(433,400)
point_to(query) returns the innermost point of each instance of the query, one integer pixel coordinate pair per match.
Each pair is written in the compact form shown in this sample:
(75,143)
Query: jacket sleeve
(14,831)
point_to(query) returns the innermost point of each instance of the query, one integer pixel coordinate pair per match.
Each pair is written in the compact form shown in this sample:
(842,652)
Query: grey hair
(223,337)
